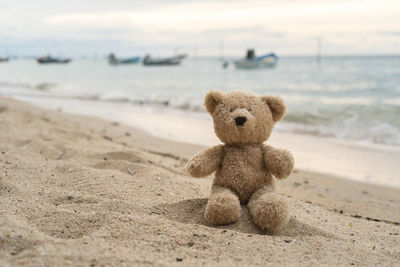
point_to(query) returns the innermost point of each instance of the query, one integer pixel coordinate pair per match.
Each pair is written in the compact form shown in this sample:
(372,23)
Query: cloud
(288,26)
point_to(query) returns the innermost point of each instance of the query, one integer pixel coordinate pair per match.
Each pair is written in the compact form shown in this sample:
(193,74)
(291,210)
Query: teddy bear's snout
(240,120)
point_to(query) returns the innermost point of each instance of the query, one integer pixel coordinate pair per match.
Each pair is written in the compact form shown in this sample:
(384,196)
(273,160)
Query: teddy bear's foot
(223,207)
(268,210)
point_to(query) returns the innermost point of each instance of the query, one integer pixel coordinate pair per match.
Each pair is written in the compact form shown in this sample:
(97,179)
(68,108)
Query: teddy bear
(245,168)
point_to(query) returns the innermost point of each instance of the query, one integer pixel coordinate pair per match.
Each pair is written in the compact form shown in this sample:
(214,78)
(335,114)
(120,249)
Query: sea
(346,97)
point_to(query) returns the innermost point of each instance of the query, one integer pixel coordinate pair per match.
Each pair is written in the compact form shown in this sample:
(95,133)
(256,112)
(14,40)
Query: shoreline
(356,160)
(77,189)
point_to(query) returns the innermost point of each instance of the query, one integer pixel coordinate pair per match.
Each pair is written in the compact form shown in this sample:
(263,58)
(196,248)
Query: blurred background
(335,63)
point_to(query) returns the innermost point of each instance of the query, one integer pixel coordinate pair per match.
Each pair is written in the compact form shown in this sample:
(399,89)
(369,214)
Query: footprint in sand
(125,162)
(121,166)
(49,151)
(67,225)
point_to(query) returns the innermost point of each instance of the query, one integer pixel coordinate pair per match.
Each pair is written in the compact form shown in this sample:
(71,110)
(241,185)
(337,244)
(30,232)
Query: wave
(378,134)
(375,123)
(370,122)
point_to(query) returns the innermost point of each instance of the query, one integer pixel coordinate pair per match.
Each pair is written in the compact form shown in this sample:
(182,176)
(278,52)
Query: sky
(199,28)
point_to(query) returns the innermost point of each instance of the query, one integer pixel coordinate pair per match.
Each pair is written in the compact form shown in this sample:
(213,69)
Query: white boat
(252,62)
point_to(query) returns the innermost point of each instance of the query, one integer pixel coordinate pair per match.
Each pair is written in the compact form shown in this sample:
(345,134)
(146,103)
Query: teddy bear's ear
(212,99)
(276,106)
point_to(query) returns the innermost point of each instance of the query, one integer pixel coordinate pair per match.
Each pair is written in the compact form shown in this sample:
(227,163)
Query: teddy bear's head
(242,117)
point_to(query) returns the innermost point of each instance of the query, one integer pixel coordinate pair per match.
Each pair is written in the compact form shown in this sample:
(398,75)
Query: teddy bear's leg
(223,207)
(268,210)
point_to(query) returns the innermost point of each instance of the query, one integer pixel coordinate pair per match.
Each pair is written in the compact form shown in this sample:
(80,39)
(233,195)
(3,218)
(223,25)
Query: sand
(78,190)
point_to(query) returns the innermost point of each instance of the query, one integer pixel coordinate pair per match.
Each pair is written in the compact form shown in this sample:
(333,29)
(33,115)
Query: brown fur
(245,167)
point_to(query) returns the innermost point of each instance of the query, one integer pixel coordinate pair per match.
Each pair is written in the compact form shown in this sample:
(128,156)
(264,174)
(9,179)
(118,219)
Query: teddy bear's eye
(231,110)
(249,109)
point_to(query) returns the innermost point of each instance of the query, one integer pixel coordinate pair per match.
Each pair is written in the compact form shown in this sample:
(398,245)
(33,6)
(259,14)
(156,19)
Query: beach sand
(78,190)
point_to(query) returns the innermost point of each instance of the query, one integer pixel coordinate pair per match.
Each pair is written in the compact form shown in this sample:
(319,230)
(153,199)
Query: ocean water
(356,98)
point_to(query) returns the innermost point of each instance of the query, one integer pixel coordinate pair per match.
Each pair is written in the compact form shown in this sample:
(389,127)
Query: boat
(252,62)
(49,59)
(167,61)
(113,60)
(4,59)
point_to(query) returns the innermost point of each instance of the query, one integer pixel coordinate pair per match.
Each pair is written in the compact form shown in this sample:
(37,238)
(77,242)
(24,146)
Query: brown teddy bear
(244,166)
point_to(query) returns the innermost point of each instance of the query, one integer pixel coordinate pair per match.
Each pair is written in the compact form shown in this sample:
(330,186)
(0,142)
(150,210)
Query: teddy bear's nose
(240,120)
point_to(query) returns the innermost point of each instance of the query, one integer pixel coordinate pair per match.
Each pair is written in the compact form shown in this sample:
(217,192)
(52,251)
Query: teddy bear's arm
(280,162)
(206,162)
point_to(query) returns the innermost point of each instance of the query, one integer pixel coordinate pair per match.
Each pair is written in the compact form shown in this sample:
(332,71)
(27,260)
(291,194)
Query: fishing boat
(4,59)
(113,60)
(53,60)
(252,62)
(167,61)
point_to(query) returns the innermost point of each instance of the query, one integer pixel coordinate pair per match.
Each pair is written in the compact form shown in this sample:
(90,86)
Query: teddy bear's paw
(222,208)
(269,212)
(281,163)
(194,169)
